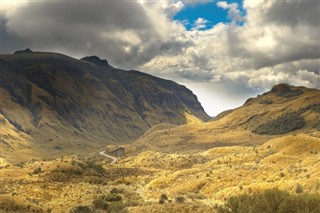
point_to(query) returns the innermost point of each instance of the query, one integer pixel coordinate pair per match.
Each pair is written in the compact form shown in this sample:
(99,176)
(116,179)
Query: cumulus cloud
(128,33)
(233,10)
(200,23)
(276,42)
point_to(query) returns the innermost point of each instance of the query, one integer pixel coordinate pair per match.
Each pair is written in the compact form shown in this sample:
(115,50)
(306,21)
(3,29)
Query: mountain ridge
(59,102)
(284,110)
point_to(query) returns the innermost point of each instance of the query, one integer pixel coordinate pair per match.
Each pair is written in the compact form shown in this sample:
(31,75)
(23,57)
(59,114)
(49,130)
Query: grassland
(191,182)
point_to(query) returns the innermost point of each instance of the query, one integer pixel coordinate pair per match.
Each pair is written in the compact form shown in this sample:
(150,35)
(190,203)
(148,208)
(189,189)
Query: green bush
(271,201)
(283,124)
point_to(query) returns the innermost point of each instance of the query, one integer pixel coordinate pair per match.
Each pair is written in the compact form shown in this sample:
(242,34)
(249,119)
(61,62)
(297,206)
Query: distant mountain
(57,103)
(285,110)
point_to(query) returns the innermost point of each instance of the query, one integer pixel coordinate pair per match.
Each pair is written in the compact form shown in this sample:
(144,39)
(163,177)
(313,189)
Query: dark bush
(164,197)
(37,170)
(299,188)
(105,202)
(116,191)
(180,199)
(283,124)
(82,209)
(315,108)
(116,207)
(271,201)
(285,91)
(100,203)
(317,126)
(266,102)
(113,197)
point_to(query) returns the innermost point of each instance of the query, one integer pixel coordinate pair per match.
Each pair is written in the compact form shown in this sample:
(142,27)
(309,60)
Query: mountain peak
(23,51)
(280,88)
(96,61)
(285,90)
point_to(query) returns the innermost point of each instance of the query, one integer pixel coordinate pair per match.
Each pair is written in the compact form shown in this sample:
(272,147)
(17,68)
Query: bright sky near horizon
(224,51)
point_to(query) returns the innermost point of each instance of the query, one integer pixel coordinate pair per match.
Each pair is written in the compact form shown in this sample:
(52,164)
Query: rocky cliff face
(56,102)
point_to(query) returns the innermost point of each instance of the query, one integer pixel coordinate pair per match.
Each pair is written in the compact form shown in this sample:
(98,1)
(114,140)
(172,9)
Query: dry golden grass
(204,179)
(205,163)
(235,127)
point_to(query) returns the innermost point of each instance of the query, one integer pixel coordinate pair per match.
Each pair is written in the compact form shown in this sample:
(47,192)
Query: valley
(63,119)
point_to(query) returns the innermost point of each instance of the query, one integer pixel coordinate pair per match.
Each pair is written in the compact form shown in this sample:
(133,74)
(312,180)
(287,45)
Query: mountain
(284,110)
(272,141)
(54,103)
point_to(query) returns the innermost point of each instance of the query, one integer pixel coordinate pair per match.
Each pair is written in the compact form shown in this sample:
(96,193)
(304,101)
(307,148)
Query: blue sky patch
(206,11)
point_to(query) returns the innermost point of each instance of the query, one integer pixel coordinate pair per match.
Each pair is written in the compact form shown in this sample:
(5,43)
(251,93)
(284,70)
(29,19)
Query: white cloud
(278,41)
(200,23)
(233,10)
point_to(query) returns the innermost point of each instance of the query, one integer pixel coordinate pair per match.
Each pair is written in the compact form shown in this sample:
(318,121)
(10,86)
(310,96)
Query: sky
(224,51)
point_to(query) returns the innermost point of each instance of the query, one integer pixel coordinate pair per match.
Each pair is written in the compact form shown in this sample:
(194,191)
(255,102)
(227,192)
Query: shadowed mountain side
(60,103)
(285,110)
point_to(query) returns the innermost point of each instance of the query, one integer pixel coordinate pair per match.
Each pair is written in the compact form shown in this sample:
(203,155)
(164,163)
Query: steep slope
(284,110)
(56,103)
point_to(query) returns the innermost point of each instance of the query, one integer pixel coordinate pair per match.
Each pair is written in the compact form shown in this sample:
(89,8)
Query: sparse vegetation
(117,207)
(82,209)
(180,199)
(271,201)
(101,203)
(37,170)
(286,92)
(266,102)
(299,188)
(286,123)
(163,198)
(315,108)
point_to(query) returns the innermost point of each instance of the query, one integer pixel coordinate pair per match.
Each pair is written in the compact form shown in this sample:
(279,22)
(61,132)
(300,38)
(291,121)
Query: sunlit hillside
(270,142)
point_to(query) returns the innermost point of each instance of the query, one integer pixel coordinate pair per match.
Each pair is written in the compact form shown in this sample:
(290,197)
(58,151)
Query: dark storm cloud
(121,31)
(277,32)
(294,13)
(9,41)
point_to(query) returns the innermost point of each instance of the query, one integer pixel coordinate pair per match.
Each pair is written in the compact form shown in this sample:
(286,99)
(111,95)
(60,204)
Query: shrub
(180,199)
(37,170)
(82,209)
(100,203)
(299,188)
(285,91)
(112,197)
(116,207)
(266,102)
(316,108)
(116,191)
(271,201)
(283,124)
(163,199)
